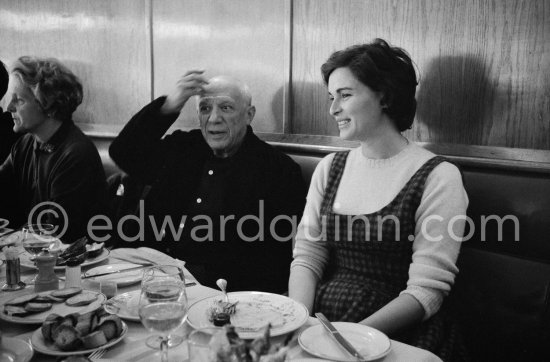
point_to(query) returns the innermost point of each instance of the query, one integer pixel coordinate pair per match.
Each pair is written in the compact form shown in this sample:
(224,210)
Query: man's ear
(250,112)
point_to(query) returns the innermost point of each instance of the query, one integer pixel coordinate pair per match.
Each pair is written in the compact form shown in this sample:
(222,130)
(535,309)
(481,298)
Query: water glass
(163,302)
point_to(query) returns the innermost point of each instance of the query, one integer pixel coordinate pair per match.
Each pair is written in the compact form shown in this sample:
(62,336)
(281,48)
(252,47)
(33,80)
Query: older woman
(54,171)
(377,243)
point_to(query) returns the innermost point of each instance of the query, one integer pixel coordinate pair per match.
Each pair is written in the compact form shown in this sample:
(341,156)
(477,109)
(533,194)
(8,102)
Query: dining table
(133,347)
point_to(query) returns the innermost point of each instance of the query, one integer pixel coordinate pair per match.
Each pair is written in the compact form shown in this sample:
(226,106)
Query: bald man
(219,198)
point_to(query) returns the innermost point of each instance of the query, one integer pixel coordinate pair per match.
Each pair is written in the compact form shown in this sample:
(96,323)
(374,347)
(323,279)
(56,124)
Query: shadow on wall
(308,109)
(458,102)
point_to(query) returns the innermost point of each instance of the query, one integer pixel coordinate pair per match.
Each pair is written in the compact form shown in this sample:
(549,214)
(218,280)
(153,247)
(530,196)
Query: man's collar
(55,140)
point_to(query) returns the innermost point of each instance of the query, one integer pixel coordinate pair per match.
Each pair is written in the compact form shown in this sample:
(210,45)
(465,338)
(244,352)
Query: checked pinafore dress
(369,262)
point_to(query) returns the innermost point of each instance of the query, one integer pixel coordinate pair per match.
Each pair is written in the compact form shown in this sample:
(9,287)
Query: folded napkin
(145,256)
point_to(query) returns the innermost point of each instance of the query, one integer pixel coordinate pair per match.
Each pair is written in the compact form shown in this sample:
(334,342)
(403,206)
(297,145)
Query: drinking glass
(162,304)
(35,238)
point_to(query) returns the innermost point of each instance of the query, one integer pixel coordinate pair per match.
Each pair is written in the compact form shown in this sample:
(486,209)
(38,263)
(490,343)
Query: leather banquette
(502,292)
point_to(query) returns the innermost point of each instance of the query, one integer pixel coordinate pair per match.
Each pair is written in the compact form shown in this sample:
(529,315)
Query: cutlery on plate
(342,342)
(85,275)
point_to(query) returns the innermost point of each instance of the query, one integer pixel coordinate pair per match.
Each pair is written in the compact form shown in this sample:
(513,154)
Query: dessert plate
(369,342)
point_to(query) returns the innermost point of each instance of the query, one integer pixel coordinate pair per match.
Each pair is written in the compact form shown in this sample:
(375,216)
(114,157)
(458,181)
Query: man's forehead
(216,98)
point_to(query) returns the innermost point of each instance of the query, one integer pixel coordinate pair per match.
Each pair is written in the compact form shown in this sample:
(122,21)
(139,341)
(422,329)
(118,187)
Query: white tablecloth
(133,348)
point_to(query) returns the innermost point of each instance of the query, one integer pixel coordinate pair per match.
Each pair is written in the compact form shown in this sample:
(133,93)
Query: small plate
(15,349)
(125,305)
(122,278)
(26,262)
(3,223)
(253,312)
(42,346)
(59,308)
(369,342)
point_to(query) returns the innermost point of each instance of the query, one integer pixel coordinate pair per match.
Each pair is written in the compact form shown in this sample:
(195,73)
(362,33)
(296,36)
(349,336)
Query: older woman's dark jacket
(179,168)
(66,170)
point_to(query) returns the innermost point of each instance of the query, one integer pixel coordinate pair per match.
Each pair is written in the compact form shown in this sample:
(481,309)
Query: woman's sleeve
(310,249)
(440,221)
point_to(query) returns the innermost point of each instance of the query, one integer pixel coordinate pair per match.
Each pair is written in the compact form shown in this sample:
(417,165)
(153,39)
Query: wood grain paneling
(484,65)
(241,38)
(105,43)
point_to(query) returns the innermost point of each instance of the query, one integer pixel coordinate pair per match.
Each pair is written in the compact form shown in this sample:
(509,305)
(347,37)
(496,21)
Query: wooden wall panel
(484,65)
(104,42)
(241,38)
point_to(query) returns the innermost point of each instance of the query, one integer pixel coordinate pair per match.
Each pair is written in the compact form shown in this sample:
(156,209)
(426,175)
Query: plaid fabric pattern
(370,256)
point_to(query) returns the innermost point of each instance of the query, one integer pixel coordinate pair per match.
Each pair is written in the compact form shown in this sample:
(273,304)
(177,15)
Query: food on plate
(47,298)
(22,300)
(66,293)
(37,307)
(76,250)
(94,249)
(51,321)
(221,319)
(74,331)
(37,303)
(228,346)
(81,299)
(67,338)
(221,307)
(110,325)
(94,340)
(15,311)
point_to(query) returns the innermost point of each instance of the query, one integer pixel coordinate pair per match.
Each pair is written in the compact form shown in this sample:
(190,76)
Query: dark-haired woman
(53,173)
(381,231)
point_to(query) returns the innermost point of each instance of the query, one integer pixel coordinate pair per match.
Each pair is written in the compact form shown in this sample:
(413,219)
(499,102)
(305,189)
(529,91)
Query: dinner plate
(41,345)
(253,312)
(26,262)
(15,349)
(125,305)
(121,278)
(10,239)
(369,342)
(60,308)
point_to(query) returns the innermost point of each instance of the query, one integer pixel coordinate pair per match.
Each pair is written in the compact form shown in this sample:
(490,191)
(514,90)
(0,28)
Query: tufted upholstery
(503,288)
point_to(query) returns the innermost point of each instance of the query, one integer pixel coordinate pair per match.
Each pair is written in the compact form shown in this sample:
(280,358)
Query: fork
(97,354)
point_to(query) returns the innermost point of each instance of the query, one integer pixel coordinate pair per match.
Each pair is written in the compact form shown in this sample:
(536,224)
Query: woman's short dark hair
(4,80)
(54,86)
(384,69)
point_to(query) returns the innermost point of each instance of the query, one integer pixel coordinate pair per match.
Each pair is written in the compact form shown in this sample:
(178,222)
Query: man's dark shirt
(7,135)
(66,170)
(186,181)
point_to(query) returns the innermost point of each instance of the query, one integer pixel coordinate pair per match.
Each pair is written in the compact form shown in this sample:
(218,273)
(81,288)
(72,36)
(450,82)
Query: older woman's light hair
(54,86)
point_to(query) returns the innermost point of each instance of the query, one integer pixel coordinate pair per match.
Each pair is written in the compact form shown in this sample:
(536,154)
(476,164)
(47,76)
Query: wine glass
(35,238)
(163,304)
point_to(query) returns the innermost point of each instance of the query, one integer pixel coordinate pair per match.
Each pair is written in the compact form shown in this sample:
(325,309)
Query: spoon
(222,284)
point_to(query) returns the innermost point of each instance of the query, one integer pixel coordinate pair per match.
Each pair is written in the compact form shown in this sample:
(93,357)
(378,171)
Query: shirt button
(199,200)
(210,172)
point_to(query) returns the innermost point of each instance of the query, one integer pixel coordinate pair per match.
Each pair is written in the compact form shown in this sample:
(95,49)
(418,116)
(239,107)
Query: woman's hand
(401,313)
(191,84)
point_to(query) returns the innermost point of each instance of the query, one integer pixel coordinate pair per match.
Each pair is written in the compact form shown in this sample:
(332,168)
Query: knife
(85,275)
(342,342)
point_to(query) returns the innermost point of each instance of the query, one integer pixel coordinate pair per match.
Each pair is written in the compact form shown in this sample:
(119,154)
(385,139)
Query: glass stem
(164,349)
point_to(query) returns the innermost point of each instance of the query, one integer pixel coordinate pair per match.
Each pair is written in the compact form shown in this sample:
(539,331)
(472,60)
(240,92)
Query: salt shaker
(72,274)
(13,271)
(46,278)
